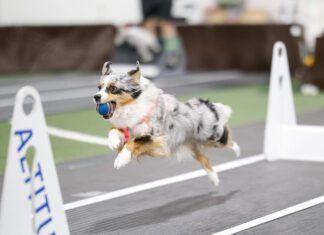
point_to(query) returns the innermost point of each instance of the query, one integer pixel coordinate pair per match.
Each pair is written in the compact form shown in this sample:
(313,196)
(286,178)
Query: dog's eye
(99,87)
(113,90)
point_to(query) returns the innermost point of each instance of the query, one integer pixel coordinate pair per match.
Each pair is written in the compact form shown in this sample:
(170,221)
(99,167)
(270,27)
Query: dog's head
(118,88)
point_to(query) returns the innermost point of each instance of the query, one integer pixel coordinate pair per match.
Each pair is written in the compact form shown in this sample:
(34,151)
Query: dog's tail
(224,112)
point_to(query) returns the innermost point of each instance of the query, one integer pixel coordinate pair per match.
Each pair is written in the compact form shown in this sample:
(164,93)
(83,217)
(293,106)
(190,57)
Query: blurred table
(55,48)
(244,47)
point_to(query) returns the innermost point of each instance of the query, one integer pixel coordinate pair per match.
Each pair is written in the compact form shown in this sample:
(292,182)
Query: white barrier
(284,139)
(31,203)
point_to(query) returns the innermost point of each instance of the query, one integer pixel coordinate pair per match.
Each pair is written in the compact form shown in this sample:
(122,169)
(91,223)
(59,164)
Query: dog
(146,121)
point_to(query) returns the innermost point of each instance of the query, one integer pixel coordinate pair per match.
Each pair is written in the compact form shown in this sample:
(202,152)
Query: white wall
(69,12)
(192,10)
(309,13)
(273,7)
(85,12)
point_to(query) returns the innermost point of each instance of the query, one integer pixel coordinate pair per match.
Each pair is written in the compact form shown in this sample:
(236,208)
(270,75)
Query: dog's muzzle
(97,98)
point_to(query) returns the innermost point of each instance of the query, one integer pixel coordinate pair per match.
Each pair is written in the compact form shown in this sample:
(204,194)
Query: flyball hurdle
(31,197)
(284,139)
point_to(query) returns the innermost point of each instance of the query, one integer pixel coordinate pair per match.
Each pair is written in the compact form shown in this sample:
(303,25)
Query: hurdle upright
(284,138)
(31,200)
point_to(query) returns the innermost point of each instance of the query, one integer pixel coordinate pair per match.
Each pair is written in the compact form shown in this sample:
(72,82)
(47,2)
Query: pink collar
(126,134)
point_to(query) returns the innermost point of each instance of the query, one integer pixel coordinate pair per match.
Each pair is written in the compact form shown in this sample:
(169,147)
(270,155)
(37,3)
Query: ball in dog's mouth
(106,110)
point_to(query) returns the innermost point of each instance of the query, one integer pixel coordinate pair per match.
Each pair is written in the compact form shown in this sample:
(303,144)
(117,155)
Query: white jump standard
(284,139)
(31,203)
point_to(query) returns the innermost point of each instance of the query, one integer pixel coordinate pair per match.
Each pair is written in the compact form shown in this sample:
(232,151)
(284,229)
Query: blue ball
(104,109)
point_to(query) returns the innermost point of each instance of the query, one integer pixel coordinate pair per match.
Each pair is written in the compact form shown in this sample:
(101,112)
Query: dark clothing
(157,9)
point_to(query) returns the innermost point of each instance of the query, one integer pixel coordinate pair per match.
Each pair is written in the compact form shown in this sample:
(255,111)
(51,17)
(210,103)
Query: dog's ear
(106,70)
(136,73)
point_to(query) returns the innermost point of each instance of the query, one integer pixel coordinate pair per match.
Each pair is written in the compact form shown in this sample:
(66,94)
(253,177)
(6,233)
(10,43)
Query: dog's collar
(126,133)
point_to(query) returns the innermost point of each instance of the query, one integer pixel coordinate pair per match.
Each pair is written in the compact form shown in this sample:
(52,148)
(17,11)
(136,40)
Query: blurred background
(218,49)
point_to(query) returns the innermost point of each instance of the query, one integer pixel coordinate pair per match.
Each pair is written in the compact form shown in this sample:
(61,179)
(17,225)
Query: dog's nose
(97,97)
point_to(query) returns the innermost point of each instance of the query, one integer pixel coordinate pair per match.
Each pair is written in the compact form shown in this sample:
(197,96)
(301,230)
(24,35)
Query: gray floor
(306,222)
(195,206)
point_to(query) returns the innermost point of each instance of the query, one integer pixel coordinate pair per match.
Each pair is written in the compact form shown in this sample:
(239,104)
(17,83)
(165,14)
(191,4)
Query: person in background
(158,20)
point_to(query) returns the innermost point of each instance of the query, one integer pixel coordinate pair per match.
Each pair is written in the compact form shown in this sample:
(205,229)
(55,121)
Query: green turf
(27,75)
(87,121)
(7,76)
(66,150)
(4,134)
(249,104)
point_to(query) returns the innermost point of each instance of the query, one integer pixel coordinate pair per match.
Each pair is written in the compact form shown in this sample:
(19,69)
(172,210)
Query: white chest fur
(129,115)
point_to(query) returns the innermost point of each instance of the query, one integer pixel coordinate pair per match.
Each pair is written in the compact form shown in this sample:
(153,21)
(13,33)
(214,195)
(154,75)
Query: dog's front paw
(114,139)
(113,143)
(123,158)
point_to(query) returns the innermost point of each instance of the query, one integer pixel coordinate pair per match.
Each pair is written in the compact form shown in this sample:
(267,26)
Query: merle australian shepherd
(146,121)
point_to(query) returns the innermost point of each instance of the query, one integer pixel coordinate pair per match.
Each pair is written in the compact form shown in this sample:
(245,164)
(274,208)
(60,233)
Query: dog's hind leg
(205,163)
(227,141)
(235,147)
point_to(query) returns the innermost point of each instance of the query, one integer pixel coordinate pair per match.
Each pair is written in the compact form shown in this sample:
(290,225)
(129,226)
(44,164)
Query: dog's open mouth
(112,108)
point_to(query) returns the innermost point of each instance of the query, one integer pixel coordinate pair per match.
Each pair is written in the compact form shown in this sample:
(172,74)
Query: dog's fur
(159,124)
